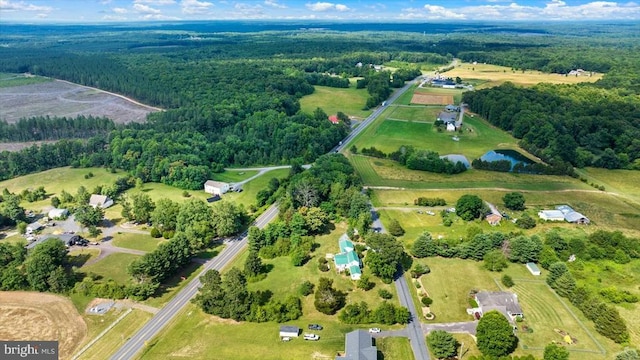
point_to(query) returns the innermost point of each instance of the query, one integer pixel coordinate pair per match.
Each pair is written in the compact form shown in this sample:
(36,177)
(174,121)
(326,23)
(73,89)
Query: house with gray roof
(503,302)
(358,346)
(67,239)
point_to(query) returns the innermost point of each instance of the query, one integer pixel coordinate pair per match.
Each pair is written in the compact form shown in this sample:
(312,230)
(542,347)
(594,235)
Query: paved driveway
(468,327)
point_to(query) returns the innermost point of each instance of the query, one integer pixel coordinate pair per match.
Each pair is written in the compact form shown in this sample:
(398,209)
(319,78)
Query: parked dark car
(315,327)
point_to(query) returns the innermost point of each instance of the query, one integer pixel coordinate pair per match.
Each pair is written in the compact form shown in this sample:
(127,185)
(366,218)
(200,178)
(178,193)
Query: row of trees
(54,128)
(229,298)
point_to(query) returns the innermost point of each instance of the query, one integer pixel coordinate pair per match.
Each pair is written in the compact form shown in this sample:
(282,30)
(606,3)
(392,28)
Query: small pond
(513,156)
(456,157)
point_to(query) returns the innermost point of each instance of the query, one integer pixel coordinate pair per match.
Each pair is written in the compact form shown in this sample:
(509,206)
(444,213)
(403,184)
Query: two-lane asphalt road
(164,316)
(414,328)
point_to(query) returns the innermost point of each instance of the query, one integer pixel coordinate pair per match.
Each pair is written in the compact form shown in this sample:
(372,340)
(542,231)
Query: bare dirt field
(61,98)
(428,99)
(40,316)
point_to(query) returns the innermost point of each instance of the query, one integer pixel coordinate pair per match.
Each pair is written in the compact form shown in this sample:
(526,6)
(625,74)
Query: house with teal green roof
(347,258)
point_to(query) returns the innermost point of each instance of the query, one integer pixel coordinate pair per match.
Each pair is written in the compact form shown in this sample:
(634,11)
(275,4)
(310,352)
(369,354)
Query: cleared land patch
(493,75)
(32,315)
(61,98)
(430,99)
(350,101)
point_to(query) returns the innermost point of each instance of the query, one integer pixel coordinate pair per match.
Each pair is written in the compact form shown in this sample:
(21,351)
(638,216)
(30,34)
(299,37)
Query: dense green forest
(228,95)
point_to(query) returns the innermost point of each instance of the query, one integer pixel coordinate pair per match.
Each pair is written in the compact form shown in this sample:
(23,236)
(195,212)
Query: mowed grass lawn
(140,242)
(607,211)
(350,101)
(383,172)
(477,138)
(117,336)
(113,267)
(196,335)
(543,310)
(56,180)
(493,75)
(250,190)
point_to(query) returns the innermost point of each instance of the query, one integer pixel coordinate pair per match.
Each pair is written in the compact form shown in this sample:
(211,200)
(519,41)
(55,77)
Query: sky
(341,10)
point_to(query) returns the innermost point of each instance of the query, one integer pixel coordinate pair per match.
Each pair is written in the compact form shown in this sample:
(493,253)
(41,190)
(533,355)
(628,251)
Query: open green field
(623,182)
(388,173)
(350,101)
(137,241)
(118,335)
(543,310)
(79,257)
(250,190)
(477,136)
(8,80)
(113,267)
(486,75)
(56,180)
(606,211)
(233,176)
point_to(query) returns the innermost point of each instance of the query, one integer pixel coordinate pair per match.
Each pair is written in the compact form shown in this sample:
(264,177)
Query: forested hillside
(579,124)
(232,98)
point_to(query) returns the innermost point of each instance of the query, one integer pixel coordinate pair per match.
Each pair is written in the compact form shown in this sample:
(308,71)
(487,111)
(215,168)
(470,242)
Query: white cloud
(114,18)
(193,7)
(120,10)
(551,10)
(22,6)
(158,17)
(155,2)
(246,11)
(105,2)
(274,4)
(327,6)
(145,9)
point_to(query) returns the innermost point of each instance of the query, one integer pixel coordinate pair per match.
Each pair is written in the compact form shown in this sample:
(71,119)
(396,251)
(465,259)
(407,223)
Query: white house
(58,213)
(551,215)
(215,187)
(102,201)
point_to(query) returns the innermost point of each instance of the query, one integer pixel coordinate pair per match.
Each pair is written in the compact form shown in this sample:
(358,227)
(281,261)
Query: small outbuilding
(289,331)
(533,268)
(215,187)
(33,227)
(551,215)
(334,119)
(58,213)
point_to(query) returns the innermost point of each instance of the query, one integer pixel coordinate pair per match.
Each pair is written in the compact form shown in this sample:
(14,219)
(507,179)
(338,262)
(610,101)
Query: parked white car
(374,330)
(312,337)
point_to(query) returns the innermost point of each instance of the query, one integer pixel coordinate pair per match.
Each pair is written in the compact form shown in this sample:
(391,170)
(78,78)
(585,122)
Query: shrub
(385,294)
(306,288)
(155,233)
(507,281)
(426,301)
(418,286)
(168,234)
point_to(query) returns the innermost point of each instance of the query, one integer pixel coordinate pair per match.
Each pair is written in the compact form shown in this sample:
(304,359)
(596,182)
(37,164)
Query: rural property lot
(61,98)
(38,316)
(428,99)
